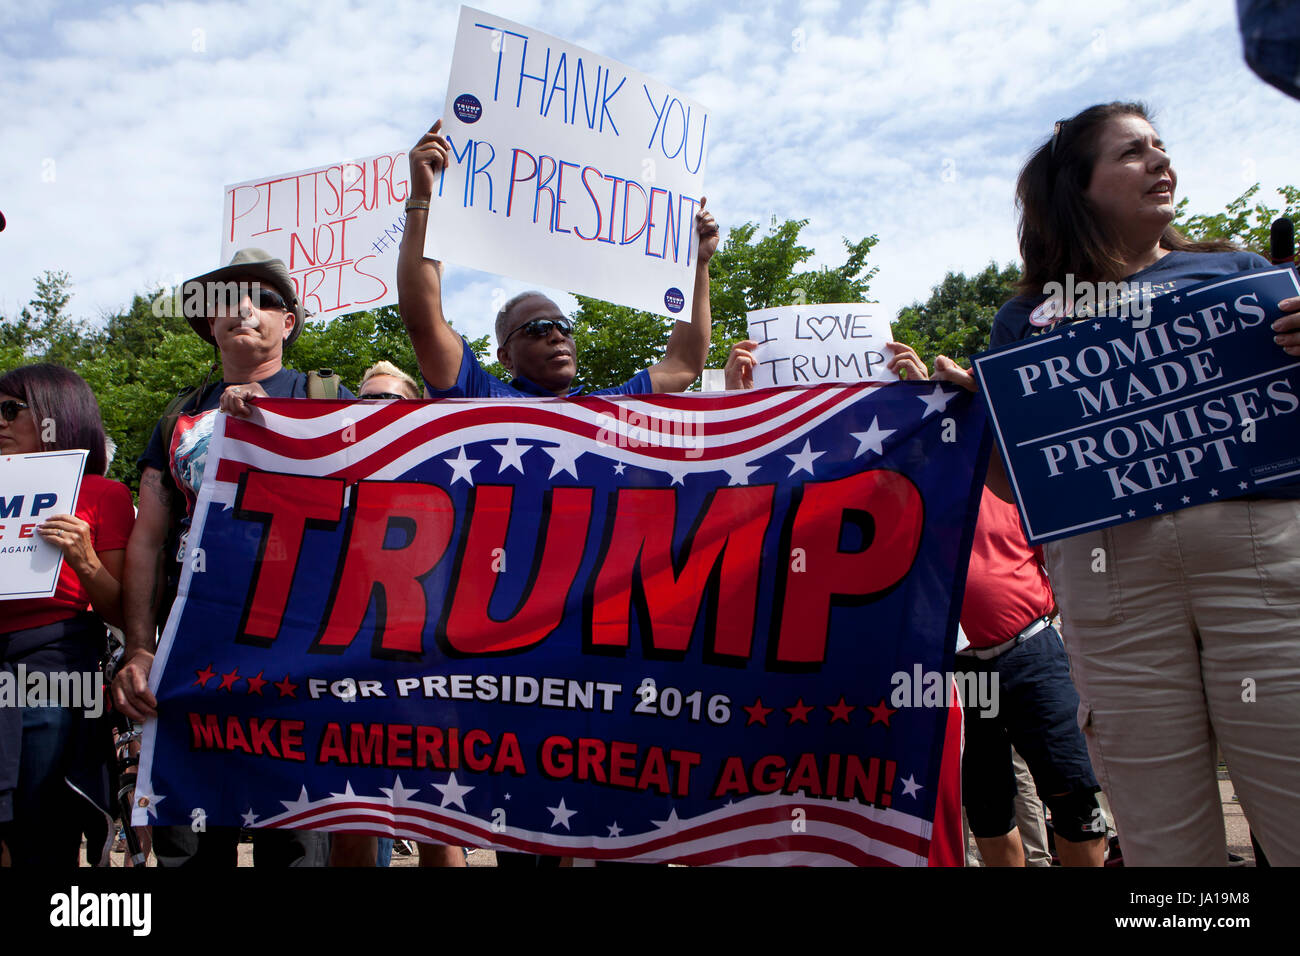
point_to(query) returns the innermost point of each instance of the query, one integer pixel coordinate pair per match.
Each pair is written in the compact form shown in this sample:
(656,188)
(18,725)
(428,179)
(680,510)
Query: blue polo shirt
(473,382)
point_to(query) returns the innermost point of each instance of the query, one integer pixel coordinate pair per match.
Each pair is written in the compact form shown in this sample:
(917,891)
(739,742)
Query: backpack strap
(323,384)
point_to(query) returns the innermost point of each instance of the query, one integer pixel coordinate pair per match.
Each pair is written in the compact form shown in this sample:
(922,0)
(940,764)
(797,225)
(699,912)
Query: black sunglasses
(1057,130)
(539,328)
(10,409)
(264,298)
(383,395)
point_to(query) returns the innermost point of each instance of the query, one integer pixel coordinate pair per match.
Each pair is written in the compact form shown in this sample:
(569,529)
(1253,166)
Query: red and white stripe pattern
(679,435)
(760,829)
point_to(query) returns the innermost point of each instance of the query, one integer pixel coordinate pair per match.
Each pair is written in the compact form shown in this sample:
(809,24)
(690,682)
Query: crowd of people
(1125,680)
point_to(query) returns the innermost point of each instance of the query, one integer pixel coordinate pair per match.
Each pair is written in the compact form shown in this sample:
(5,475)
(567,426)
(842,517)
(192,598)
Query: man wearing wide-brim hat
(251,313)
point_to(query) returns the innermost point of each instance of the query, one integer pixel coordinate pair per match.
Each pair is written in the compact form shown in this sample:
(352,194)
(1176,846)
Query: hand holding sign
(707,227)
(739,370)
(1288,326)
(428,159)
(946,370)
(905,363)
(829,342)
(71,535)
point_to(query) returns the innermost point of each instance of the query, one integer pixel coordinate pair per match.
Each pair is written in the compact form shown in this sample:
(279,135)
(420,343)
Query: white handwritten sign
(568,169)
(336,227)
(32,488)
(806,344)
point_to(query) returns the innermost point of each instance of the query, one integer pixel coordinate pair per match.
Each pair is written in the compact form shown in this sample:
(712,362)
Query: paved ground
(1234,819)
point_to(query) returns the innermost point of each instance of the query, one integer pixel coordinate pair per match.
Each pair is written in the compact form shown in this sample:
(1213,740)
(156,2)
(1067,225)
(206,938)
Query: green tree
(43,327)
(614,342)
(1244,222)
(957,318)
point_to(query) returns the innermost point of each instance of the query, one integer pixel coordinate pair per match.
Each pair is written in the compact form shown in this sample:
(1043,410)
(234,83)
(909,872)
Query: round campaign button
(467,108)
(674,300)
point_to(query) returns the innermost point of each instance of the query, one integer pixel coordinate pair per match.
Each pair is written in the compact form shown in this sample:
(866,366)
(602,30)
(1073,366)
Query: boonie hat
(259,264)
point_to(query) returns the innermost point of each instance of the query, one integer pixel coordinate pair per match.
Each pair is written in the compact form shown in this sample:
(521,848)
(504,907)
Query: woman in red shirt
(49,408)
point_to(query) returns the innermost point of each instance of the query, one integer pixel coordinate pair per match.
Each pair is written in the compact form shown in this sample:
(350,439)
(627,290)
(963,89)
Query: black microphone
(1281,241)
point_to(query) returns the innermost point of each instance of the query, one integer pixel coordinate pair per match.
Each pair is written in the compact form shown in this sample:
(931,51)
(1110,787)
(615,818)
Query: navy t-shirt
(1175,270)
(473,382)
(187,455)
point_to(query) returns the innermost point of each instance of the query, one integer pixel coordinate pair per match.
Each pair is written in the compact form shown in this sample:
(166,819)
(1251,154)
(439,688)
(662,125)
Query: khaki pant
(1181,629)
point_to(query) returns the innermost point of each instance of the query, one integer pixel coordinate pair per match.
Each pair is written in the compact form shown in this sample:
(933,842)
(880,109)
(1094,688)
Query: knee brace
(1077,817)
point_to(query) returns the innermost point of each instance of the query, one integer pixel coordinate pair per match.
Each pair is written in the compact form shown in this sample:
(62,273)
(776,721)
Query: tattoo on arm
(153,479)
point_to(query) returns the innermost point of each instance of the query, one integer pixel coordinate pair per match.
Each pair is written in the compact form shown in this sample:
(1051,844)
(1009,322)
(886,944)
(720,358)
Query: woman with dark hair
(1167,619)
(49,408)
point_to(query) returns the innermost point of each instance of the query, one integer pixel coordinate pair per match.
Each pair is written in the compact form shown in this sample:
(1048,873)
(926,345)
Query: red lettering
(509,757)
(591,757)
(428,747)
(205,732)
(556,760)
(474,739)
(769,773)
(286,505)
(260,730)
(424,514)
(686,760)
(729,532)
(893,509)
(470,629)
(732,778)
(654,773)
(399,745)
(367,742)
(291,740)
(622,761)
(331,745)
(235,739)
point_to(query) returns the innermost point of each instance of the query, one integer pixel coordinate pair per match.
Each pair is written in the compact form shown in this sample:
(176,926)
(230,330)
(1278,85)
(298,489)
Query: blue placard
(1111,419)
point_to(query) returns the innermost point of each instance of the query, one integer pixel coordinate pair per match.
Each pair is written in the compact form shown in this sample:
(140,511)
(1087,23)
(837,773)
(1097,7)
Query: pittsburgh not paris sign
(1108,420)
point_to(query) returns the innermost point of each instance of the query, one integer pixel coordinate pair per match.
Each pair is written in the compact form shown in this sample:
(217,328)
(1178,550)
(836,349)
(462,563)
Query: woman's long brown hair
(1060,233)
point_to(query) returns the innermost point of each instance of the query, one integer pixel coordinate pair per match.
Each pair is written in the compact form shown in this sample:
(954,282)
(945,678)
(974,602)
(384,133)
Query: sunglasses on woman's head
(10,409)
(382,395)
(539,328)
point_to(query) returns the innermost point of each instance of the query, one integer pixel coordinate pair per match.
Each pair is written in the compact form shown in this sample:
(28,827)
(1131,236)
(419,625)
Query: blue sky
(910,120)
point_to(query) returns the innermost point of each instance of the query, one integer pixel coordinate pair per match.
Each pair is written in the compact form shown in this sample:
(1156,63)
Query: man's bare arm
(687,351)
(946,370)
(141,584)
(419,283)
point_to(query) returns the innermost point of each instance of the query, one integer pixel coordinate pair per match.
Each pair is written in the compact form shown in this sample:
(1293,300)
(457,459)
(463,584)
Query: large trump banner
(568,169)
(704,629)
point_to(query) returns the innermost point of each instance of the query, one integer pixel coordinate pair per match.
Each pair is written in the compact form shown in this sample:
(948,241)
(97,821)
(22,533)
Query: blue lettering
(594,202)
(12,509)
(627,185)
(588,108)
(525,75)
(481,170)
(496,86)
(514,166)
(659,113)
(650,222)
(543,188)
(664,132)
(559,195)
(613,205)
(604,103)
(561,68)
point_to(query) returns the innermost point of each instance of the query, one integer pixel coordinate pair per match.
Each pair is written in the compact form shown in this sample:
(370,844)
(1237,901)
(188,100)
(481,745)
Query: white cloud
(845,114)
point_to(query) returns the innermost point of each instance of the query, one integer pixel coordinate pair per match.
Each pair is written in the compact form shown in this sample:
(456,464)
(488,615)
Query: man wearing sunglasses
(253,313)
(534,338)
